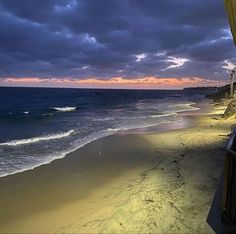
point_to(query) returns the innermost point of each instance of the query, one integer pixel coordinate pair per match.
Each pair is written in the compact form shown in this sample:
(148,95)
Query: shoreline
(166,179)
(188,120)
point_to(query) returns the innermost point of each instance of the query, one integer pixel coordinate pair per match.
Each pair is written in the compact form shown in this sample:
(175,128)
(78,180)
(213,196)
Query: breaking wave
(37,139)
(64,109)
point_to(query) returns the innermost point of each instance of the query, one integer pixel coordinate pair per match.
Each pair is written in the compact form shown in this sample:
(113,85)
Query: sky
(151,44)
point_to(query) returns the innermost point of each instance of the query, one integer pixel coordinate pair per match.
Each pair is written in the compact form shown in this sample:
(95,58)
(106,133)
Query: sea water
(38,125)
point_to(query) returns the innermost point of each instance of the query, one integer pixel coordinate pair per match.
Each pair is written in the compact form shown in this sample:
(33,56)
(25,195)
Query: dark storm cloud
(85,38)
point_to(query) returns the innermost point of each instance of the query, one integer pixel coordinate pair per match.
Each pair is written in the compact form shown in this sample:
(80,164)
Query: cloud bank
(109,39)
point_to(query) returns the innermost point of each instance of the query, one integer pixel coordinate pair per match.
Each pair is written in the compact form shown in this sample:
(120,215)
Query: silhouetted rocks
(203,88)
(223,92)
(230,110)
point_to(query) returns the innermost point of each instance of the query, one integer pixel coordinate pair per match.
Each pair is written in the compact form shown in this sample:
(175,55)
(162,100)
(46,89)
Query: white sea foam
(163,115)
(184,107)
(48,114)
(64,109)
(33,162)
(76,145)
(37,139)
(134,117)
(58,155)
(189,105)
(25,112)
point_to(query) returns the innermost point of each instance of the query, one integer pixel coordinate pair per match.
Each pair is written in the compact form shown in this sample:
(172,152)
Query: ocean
(38,125)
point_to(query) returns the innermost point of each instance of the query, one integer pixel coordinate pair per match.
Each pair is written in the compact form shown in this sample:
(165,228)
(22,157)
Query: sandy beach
(142,182)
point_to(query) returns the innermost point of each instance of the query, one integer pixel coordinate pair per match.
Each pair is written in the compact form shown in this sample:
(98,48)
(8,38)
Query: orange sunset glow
(115,82)
(117,116)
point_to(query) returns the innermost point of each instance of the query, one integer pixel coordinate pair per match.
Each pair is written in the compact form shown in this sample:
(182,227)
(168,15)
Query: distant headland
(204,88)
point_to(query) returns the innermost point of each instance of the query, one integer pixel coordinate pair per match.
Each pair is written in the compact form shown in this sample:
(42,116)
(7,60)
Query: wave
(37,139)
(185,106)
(163,115)
(79,143)
(48,114)
(103,119)
(64,109)
(25,112)
(148,116)
(134,117)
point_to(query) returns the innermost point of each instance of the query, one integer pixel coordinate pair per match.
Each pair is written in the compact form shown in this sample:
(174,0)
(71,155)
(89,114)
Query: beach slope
(151,182)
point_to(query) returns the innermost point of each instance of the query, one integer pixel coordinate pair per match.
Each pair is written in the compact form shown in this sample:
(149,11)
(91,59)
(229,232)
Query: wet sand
(135,182)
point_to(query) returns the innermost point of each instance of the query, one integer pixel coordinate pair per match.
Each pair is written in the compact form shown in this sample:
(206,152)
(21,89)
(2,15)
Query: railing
(229,193)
